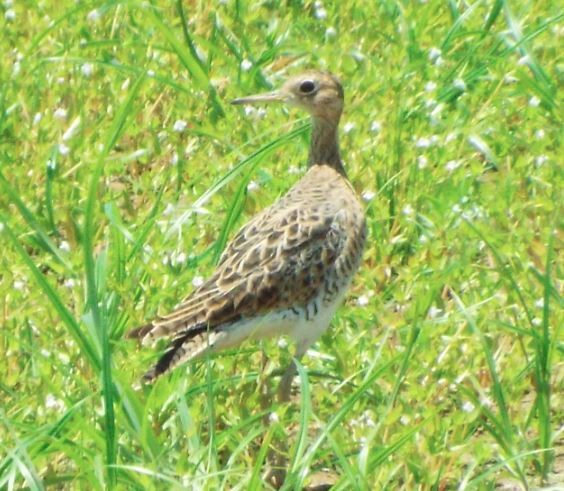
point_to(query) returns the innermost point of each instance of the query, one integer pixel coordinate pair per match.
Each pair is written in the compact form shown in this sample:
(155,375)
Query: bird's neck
(324,148)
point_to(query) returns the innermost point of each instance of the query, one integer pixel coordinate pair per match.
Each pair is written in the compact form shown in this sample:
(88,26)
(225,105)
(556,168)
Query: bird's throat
(324,148)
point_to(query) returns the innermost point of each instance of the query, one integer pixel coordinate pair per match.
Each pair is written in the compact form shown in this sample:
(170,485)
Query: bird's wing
(276,261)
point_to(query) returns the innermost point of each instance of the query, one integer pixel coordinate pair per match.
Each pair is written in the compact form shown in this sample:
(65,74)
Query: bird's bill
(260,98)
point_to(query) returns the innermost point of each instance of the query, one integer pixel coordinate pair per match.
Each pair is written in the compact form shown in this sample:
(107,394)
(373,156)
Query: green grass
(443,370)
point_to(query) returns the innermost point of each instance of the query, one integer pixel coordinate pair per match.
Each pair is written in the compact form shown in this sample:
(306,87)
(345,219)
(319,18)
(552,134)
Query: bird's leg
(278,455)
(285,384)
(265,394)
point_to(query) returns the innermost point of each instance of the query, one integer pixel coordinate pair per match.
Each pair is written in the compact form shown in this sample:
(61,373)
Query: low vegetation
(124,171)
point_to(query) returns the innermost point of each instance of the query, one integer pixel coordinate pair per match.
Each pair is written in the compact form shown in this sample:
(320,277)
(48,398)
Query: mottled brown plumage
(286,271)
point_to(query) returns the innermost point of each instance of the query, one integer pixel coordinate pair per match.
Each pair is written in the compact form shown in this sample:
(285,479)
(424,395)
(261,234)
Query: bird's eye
(307,86)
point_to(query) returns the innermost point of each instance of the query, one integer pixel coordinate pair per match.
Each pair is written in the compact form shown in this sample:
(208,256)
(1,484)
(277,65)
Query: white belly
(305,325)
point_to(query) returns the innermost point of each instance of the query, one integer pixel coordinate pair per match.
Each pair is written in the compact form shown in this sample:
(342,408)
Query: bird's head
(319,93)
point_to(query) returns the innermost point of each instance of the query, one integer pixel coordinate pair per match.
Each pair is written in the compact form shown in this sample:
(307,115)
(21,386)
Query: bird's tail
(185,346)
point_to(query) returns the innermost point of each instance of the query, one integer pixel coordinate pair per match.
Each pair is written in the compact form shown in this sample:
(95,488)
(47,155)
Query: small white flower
(87,69)
(252,186)
(174,159)
(330,32)
(93,16)
(273,418)
(486,402)
(283,343)
(375,127)
(69,283)
(405,420)
(348,127)
(534,101)
(64,246)
(430,103)
(197,281)
(246,65)
(63,149)
(422,161)
(452,165)
(368,195)
(468,407)
(51,402)
(294,169)
(408,210)
(434,312)
(439,61)
(37,118)
(434,54)
(60,113)
(179,125)
(509,79)
(423,143)
(540,134)
(456,208)
(19,285)
(539,304)
(150,73)
(61,80)
(524,60)
(451,137)
(250,110)
(320,13)
(72,129)
(541,160)
(180,258)
(10,15)
(362,301)
(430,86)
(169,209)
(536,322)
(358,55)
(261,113)
(459,84)
(16,68)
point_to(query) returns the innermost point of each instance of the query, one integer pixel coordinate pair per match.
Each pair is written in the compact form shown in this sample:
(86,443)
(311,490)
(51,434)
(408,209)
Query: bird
(287,270)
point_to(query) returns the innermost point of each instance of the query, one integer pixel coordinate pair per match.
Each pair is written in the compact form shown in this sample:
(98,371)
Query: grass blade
(86,346)
(92,281)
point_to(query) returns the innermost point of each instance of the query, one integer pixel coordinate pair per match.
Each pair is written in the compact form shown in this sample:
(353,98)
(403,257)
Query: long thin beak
(260,98)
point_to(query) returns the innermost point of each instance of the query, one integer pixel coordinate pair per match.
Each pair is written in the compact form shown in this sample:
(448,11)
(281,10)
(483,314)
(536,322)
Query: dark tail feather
(162,365)
(166,361)
(139,332)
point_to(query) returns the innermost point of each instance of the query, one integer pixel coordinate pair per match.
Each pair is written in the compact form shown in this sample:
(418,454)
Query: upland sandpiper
(288,268)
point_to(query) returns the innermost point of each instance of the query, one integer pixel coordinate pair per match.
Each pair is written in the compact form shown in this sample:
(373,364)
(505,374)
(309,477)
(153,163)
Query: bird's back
(292,261)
